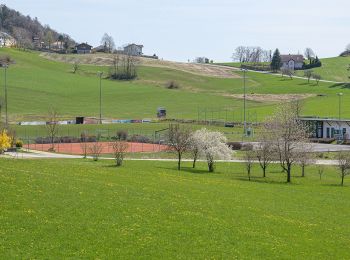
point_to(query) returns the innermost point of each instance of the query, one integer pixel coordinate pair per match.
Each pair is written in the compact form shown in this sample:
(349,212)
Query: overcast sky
(184,29)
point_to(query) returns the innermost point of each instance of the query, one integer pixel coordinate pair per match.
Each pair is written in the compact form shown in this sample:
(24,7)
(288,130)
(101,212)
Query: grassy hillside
(334,69)
(36,83)
(81,209)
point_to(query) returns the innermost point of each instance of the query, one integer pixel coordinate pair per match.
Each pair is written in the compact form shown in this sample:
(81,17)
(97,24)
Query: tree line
(24,28)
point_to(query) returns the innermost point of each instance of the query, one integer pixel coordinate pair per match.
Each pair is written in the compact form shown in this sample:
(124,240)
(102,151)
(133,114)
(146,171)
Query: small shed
(161,112)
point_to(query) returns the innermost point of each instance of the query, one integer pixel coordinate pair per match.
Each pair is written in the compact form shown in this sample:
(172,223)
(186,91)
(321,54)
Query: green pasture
(81,209)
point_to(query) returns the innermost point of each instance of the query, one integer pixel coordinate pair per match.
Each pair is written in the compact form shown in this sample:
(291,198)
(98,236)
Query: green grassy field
(81,209)
(334,69)
(35,84)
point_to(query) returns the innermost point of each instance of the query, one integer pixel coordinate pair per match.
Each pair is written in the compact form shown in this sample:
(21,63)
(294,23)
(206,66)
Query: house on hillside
(133,49)
(58,45)
(83,48)
(7,40)
(293,62)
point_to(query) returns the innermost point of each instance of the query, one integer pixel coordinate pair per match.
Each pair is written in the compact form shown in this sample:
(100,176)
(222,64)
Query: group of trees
(248,54)
(201,144)
(124,67)
(24,28)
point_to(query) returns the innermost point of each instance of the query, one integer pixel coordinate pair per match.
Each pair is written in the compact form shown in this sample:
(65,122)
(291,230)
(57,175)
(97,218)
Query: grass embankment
(81,209)
(35,84)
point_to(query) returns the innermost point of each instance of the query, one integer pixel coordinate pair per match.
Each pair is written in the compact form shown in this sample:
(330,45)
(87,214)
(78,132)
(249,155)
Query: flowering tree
(212,146)
(5,141)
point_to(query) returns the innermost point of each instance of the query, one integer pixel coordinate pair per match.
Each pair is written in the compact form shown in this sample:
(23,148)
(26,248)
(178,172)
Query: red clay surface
(107,148)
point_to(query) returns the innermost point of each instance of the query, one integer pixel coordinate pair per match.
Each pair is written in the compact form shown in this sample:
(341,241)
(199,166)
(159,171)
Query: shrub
(172,84)
(140,139)
(5,141)
(247,147)
(19,144)
(235,145)
(122,135)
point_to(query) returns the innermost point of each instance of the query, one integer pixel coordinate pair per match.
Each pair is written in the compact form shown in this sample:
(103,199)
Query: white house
(292,62)
(133,49)
(327,127)
(7,40)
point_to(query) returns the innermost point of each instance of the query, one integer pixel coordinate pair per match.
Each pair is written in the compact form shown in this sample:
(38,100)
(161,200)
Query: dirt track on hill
(272,97)
(107,59)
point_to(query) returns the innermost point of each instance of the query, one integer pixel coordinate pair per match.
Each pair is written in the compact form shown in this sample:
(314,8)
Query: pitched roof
(133,44)
(296,58)
(84,45)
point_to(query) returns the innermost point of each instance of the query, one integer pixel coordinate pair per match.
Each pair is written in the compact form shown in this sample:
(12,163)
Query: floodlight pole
(244,101)
(100,75)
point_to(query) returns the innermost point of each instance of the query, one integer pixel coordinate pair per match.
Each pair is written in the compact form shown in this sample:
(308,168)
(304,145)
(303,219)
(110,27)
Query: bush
(235,145)
(172,84)
(19,144)
(247,147)
(122,135)
(140,139)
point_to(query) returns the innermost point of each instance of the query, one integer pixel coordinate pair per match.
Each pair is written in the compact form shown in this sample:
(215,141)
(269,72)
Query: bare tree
(249,161)
(95,150)
(52,126)
(83,144)
(320,170)
(108,42)
(195,149)
(265,151)
(239,53)
(317,77)
(119,149)
(306,157)
(309,54)
(347,48)
(288,135)
(308,74)
(179,140)
(75,67)
(287,71)
(344,165)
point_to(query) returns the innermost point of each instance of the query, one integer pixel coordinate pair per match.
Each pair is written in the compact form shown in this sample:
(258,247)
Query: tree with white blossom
(212,146)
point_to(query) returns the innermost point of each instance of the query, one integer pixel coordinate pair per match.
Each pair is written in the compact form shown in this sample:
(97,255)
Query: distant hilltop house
(293,62)
(58,45)
(7,40)
(133,49)
(83,48)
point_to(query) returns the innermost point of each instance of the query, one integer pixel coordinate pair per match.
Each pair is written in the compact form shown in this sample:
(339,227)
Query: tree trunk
(288,173)
(179,162)
(303,171)
(249,175)
(211,166)
(194,162)
(264,172)
(342,179)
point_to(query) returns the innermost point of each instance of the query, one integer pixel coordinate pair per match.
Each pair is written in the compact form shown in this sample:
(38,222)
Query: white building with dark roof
(133,49)
(292,62)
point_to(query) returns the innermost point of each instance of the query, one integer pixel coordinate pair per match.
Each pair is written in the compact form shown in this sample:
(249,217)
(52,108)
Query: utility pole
(244,101)
(100,74)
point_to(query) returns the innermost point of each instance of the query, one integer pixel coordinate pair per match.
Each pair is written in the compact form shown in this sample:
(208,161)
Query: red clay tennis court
(107,148)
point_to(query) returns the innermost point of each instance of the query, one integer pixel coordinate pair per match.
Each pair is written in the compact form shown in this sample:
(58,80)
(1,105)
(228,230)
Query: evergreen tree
(276,61)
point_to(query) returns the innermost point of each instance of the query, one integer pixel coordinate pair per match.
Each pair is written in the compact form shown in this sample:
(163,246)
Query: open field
(81,209)
(35,84)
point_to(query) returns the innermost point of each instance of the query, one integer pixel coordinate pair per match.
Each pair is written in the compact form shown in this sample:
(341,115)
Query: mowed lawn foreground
(78,208)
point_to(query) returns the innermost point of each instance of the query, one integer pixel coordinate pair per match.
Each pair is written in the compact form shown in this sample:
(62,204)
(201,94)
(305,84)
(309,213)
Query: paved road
(45,155)
(280,75)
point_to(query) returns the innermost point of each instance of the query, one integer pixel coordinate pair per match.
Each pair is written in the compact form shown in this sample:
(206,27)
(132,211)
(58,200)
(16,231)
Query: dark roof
(84,46)
(323,119)
(296,58)
(129,45)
